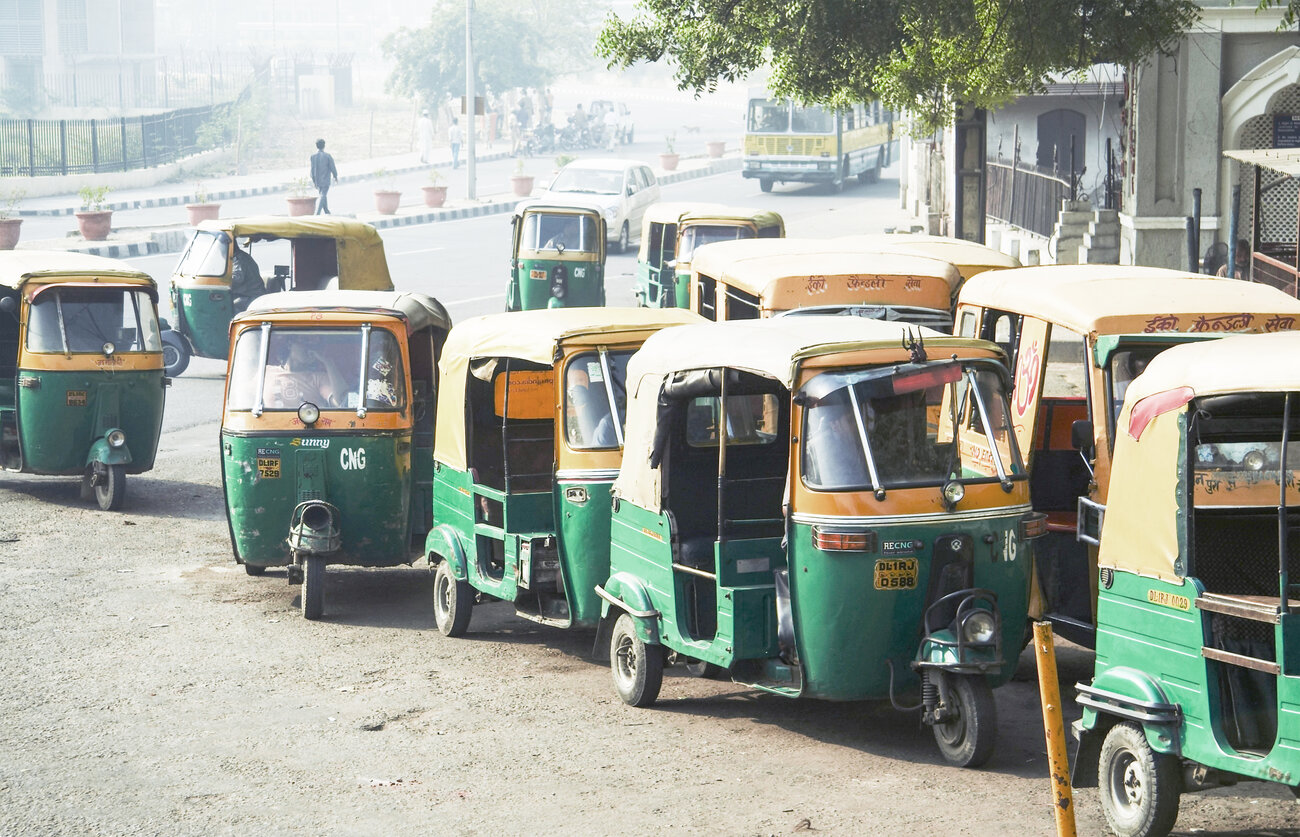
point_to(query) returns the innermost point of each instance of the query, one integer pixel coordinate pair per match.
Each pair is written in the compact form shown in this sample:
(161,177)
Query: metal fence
(1025,197)
(45,147)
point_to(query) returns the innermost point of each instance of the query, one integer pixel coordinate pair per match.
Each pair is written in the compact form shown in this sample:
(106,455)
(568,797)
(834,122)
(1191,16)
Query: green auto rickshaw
(530,430)
(1197,681)
(81,372)
(231,261)
(671,231)
(327,432)
(558,260)
(819,510)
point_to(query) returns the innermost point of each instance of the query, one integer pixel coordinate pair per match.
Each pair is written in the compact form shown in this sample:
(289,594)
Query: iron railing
(1025,197)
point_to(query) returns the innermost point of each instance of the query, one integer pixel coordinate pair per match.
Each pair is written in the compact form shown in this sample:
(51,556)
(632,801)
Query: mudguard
(629,590)
(1122,694)
(943,653)
(445,543)
(101,452)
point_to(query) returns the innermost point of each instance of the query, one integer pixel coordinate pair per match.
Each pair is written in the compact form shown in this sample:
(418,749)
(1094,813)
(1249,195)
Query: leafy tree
(920,55)
(515,45)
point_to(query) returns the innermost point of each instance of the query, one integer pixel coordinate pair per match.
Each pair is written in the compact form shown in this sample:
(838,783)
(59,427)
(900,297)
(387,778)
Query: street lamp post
(470,108)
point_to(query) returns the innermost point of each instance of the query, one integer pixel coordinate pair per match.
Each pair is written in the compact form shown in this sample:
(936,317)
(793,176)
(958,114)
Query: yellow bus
(789,142)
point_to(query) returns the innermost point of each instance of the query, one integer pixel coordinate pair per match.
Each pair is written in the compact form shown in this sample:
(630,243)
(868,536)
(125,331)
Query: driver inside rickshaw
(245,277)
(592,421)
(301,376)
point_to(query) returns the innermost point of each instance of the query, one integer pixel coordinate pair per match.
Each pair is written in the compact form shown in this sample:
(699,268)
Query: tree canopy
(515,45)
(920,55)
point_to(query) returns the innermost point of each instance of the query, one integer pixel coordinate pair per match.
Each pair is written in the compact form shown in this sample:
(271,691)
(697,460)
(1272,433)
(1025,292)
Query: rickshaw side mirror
(1081,436)
(9,304)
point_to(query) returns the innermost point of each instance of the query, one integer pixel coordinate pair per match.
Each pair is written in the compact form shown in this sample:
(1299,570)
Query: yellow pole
(1058,762)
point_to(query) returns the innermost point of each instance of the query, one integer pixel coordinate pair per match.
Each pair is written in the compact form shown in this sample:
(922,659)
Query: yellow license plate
(537,274)
(896,574)
(268,468)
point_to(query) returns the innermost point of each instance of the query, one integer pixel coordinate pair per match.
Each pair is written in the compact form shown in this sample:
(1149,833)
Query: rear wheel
(623,238)
(176,354)
(254,569)
(1139,787)
(966,739)
(638,668)
(765,183)
(453,601)
(110,486)
(313,588)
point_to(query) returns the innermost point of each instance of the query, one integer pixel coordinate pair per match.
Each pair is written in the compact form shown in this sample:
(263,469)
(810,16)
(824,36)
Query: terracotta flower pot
(522,184)
(304,205)
(96,224)
(9,231)
(716,149)
(434,196)
(668,162)
(387,201)
(202,212)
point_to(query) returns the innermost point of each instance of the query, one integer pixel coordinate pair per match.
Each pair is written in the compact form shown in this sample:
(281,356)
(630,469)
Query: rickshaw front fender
(939,650)
(101,452)
(443,542)
(1122,694)
(633,599)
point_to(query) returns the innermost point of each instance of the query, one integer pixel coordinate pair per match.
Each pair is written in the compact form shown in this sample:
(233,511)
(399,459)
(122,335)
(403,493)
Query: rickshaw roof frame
(1104,299)
(577,207)
(970,257)
(758,274)
(670,212)
(22,267)
(418,310)
(732,215)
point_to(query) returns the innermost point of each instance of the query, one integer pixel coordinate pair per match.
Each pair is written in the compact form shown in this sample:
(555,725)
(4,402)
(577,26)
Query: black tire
(453,601)
(313,588)
(254,569)
(765,184)
(638,668)
(110,489)
(1139,787)
(176,353)
(703,670)
(966,739)
(624,237)
(837,185)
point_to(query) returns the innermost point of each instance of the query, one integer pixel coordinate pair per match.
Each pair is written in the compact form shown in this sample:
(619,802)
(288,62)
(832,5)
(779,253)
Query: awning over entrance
(1284,160)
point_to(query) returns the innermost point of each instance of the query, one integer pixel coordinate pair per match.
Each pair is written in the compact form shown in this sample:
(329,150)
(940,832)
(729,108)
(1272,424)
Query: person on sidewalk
(454,137)
(322,171)
(425,129)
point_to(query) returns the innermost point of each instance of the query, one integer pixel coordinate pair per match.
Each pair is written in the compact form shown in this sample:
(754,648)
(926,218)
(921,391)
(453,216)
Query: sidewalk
(134,241)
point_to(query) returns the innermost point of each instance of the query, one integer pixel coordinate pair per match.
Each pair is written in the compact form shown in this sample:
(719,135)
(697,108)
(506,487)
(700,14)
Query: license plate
(896,574)
(268,468)
(537,274)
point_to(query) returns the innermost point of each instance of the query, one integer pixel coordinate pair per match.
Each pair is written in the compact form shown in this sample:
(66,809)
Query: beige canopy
(419,310)
(534,336)
(361,260)
(1143,509)
(18,267)
(968,257)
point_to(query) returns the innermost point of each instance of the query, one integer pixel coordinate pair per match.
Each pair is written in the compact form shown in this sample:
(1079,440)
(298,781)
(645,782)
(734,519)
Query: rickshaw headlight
(115,438)
(108,349)
(308,413)
(979,627)
(953,492)
(1254,460)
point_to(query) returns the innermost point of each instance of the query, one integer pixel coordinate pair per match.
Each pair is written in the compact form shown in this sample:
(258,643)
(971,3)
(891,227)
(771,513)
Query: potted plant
(10,227)
(387,198)
(94,221)
(716,148)
(521,183)
(435,194)
(668,159)
(201,209)
(300,199)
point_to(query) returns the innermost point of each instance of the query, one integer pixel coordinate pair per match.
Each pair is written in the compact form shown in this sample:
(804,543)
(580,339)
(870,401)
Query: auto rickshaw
(81,375)
(558,259)
(740,280)
(1197,681)
(327,432)
(530,435)
(969,257)
(671,232)
(1079,334)
(827,508)
(221,270)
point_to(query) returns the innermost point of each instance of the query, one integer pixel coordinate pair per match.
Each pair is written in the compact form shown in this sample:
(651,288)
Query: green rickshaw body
(321,252)
(81,353)
(528,446)
(1198,662)
(558,258)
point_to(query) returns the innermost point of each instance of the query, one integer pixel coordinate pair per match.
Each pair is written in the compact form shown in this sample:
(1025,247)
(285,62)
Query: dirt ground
(150,687)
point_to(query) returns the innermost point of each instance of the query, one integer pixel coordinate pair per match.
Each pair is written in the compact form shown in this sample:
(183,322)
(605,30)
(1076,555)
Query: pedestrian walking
(322,172)
(454,137)
(425,130)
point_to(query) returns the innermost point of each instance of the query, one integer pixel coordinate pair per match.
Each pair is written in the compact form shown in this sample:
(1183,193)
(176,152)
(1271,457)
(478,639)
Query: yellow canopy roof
(1117,299)
(20,266)
(667,212)
(360,249)
(970,257)
(757,273)
(419,310)
(759,217)
(1239,363)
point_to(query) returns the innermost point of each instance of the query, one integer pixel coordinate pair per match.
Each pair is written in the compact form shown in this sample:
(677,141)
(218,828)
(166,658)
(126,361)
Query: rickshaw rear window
(560,231)
(698,236)
(320,365)
(90,318)
(751,420)
(206,255)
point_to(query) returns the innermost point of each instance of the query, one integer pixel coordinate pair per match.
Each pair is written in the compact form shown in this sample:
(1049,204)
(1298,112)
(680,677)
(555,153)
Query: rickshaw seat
(697,553)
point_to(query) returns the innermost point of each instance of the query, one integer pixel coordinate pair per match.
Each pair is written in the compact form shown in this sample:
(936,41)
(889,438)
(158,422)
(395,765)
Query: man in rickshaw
(301,376)
(245,278)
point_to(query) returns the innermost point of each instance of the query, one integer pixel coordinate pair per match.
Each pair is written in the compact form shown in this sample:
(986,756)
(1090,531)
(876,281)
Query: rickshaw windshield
(874,429)
(1125,365)
(318,365)
(561,232)
(69,320)
(696,236)
(206,255)
(595,389)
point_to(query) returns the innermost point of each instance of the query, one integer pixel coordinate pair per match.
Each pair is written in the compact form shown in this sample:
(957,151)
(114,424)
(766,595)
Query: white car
(621,188)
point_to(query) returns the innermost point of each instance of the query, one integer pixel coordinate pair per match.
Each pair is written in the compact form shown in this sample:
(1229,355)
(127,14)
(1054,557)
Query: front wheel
(254,569)
(453,601)
(638,668)
(110,486)
(765,184)
(176,353)
(313,588)
(966,738)
(623,238)
(1139,787)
